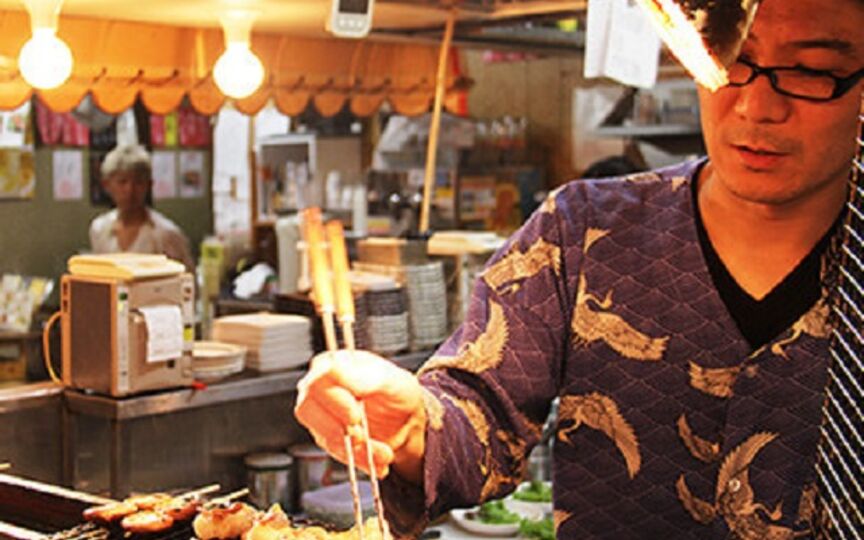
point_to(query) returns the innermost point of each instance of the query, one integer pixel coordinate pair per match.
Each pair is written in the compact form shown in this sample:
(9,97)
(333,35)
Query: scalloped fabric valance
(117,61)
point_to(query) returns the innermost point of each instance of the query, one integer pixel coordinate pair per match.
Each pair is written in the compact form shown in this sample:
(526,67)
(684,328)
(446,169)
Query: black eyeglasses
(797,82)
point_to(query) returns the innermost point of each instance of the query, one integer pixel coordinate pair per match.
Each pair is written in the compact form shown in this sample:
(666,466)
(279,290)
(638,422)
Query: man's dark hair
(612,166)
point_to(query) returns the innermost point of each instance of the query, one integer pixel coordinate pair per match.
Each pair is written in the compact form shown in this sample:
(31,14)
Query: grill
(32,510)
(91,531)
(840,465)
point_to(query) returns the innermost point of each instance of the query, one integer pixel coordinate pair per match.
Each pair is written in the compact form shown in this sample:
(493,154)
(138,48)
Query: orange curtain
(117,61)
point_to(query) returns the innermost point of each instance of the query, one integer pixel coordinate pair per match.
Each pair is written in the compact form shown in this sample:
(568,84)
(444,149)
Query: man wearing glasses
(679,317)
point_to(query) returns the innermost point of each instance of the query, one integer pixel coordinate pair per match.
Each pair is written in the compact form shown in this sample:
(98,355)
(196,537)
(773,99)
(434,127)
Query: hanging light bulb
(45,61)
(238,72)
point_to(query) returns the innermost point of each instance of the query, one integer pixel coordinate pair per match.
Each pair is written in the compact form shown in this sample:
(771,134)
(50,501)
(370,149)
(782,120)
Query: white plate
(460,516)
(528,509)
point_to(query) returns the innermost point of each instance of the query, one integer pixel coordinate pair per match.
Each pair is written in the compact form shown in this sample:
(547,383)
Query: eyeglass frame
(842,85)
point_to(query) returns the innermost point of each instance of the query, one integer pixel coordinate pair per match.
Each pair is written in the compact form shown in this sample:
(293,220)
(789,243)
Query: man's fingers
(382,454)
(327,428)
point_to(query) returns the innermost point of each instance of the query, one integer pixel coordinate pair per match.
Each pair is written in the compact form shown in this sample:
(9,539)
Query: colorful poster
(17,179)
(68,168)
(191,174)
(164,175)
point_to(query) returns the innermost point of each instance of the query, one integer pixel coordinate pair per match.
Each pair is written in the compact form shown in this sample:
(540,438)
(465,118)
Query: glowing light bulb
(45,61)
(238,72)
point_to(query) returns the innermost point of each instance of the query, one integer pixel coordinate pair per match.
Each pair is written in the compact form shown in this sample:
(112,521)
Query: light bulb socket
(237,25)
(43,13)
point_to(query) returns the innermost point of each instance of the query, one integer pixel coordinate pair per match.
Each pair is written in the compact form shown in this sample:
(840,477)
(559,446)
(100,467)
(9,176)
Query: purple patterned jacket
(670,425)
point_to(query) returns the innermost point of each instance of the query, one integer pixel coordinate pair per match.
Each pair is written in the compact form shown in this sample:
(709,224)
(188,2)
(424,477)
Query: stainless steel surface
(31,432)
(244,387)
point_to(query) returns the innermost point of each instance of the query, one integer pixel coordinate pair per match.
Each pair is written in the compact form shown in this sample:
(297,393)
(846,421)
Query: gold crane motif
(589,325)
(677,182)
(592,235)
(485,352)
(549,205)
(434,409)
(643,177)
(559,517)
(814,323)
(717,382)
(600,412)
(734,499)
(516,266)
(699,448)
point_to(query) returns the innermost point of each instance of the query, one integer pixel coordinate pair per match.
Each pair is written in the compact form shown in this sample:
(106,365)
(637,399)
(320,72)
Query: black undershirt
(760,321)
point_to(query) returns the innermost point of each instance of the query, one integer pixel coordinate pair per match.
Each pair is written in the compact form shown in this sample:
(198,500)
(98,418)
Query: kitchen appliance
(125,335)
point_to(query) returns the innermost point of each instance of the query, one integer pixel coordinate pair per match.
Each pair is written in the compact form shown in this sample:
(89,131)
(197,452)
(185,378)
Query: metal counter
(182,437)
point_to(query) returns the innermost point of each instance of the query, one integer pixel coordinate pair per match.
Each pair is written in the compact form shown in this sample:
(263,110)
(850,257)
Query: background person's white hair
(132,158)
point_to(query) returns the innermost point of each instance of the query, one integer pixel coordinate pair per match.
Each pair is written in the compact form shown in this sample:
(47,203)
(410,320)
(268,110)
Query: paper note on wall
(164,174)
(164,332)
(620,43)
(68,168)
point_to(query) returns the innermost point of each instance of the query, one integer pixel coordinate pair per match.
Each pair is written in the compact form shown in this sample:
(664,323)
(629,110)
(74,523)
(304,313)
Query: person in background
(127,177)
(611,166)
(681,316)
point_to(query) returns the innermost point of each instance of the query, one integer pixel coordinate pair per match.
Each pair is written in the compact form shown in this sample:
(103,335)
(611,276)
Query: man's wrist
(408,458)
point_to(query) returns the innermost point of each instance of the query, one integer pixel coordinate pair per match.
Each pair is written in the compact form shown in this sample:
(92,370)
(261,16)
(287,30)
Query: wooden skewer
(345,311)
(228,497)
(323,291)
(212,488)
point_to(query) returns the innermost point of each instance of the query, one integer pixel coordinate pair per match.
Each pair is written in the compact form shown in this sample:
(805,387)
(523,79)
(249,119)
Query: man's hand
(329,405)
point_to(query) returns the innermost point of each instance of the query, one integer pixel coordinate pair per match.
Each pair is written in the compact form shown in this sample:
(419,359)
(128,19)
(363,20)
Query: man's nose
(759,102)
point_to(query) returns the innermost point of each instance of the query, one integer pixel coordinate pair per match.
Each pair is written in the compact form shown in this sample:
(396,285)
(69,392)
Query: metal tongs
(324,282)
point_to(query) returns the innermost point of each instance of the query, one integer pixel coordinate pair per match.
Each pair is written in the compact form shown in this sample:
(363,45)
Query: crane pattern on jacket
(597,320)
(603,324)
(600,412)
(505,275)
(735,501)
(484,353)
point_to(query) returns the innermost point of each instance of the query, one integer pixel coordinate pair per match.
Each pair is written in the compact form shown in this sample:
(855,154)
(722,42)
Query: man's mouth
(758,157)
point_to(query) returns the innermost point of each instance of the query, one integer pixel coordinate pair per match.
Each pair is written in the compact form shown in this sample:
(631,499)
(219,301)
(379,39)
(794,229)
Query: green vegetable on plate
(535,491)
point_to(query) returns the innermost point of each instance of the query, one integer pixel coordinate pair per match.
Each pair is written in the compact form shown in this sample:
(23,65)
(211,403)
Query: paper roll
(164,325)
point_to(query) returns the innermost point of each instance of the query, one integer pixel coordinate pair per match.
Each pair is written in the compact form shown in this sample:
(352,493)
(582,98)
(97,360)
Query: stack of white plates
(274,341)
(212,360)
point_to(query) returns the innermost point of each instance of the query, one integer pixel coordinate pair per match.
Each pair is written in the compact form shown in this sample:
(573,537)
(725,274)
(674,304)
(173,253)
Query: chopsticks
(345,311)
(323,290)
